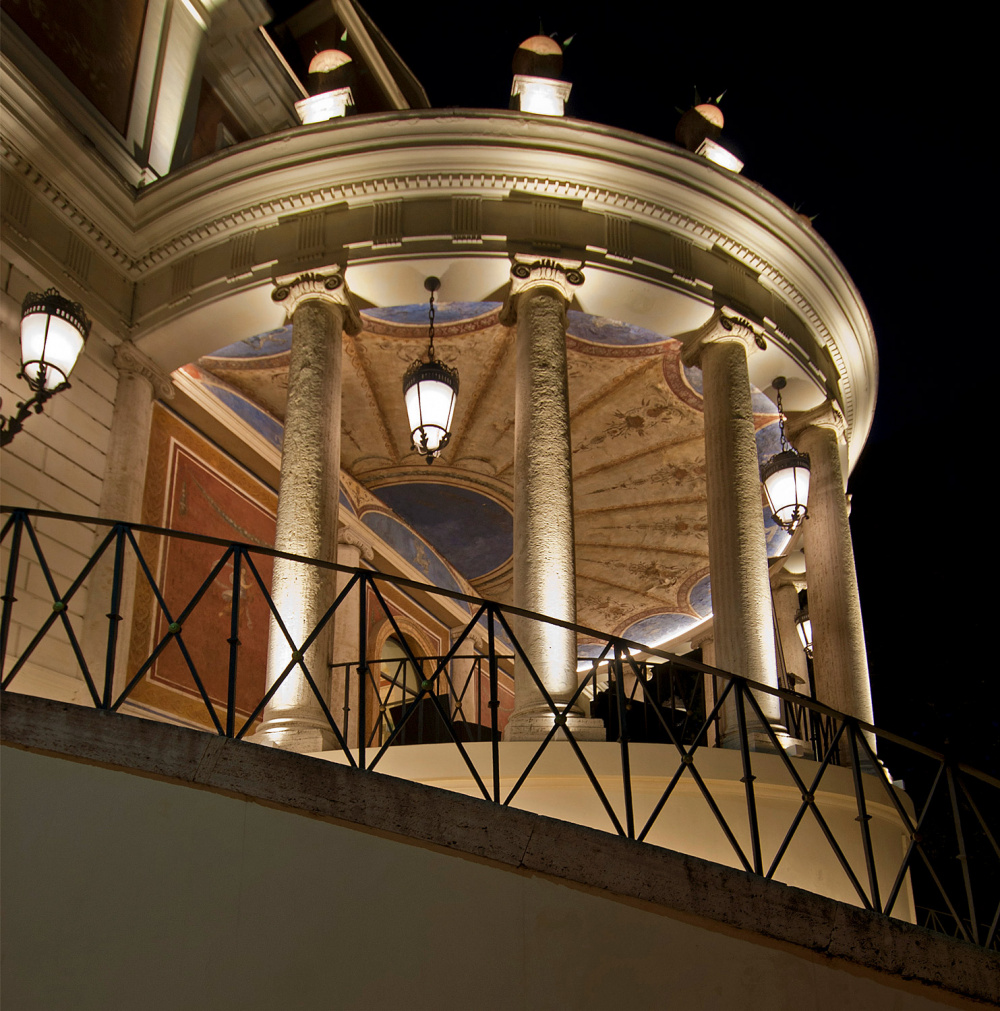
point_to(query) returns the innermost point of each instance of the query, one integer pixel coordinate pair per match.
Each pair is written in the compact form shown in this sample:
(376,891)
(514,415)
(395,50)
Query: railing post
(494,705)
(114,615)
(962,856)
(863,816)
(9,585)
(623,742)
(234,643)
(748,776)
(362,668)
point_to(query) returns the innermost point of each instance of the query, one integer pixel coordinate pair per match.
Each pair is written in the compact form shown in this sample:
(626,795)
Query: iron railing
(945,821)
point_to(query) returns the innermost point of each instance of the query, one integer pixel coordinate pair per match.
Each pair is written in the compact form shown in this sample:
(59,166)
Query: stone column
(344,695)
(785,593)
(308,491)
(741,590)
(840,661)
(544,550)
(140,382)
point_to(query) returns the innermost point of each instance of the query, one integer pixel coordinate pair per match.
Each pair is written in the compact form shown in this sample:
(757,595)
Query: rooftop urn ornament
(699,129)
(53,332)
(429,390)
(537,86)
(786,476)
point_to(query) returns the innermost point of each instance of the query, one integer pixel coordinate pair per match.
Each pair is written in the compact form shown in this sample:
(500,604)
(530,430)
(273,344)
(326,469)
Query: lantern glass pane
(787,492)
(59,347)
(429,407)
(805,630)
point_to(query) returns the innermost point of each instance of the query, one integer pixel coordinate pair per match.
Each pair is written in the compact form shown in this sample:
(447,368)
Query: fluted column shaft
(344,695)
(741,591)
(544,548)
(140,383)
(786,606)
(840,660)
(308,495)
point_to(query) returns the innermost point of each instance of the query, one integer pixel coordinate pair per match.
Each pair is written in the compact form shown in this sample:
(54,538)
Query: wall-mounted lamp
(53,332)
(786,476)
(429,389)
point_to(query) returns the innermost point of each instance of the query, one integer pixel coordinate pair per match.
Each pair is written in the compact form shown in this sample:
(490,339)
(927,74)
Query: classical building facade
(617,310)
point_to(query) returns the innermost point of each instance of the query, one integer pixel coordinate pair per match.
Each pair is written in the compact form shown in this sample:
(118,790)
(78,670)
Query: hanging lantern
(786,477)
(805,629)
(429,389)
(53,332)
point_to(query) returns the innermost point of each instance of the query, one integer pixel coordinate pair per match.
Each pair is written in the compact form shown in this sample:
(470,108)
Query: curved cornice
(336,192)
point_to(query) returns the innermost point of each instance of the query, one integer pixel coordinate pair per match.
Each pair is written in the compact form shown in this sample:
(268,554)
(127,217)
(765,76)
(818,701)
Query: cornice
(238,196)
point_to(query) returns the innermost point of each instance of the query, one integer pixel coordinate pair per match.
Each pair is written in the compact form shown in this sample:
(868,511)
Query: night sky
(881,134)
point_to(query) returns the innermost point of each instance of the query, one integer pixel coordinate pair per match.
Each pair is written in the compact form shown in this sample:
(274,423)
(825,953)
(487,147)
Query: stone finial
(724,325)
(528,273)
(129,360)
(330,287)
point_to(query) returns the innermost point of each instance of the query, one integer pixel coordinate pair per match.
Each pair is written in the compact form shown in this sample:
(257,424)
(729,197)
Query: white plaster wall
(128,892)
(56,462)
(558,787)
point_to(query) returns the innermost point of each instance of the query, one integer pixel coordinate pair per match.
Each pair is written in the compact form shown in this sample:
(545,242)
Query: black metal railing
(163,649)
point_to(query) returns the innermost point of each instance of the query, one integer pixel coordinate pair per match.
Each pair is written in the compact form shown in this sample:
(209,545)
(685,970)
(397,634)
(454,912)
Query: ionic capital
(793,580)
(330,287)
(724,325)
(129,360)
(355,540)
(826,415)
(528,273)
(704,638)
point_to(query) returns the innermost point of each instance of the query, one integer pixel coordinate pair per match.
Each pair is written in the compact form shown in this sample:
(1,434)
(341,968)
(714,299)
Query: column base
(301,736)
(760,741)
(535,726)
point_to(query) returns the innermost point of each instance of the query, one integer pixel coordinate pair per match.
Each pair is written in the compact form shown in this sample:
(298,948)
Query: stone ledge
(713,895)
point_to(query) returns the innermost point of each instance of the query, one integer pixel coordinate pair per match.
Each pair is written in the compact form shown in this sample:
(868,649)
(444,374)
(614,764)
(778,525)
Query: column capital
(328,287)
(129,360)
(723,325)
(528,273)
(796,580)
(827,415)
(475,640)
(703,638)
(355,540)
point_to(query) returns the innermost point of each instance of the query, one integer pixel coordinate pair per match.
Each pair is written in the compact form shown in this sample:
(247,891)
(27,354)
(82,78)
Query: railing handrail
(784,694)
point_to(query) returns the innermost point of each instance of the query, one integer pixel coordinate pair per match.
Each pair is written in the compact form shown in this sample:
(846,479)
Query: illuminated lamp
(429,390)
(53,332)
(804,627)
(329,92)
(719,155)
(540,95)
(786,476)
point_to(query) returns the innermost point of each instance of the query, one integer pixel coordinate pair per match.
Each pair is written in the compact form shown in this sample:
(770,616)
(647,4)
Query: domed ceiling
(638,453)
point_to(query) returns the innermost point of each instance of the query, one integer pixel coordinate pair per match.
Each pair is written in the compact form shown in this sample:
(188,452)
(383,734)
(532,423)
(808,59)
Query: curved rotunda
(617,308)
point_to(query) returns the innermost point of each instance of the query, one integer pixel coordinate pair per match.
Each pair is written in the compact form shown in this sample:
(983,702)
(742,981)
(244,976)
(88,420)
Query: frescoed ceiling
(638,453)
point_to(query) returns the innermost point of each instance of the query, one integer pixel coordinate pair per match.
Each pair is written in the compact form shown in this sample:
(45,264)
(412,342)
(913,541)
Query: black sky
(878,124)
